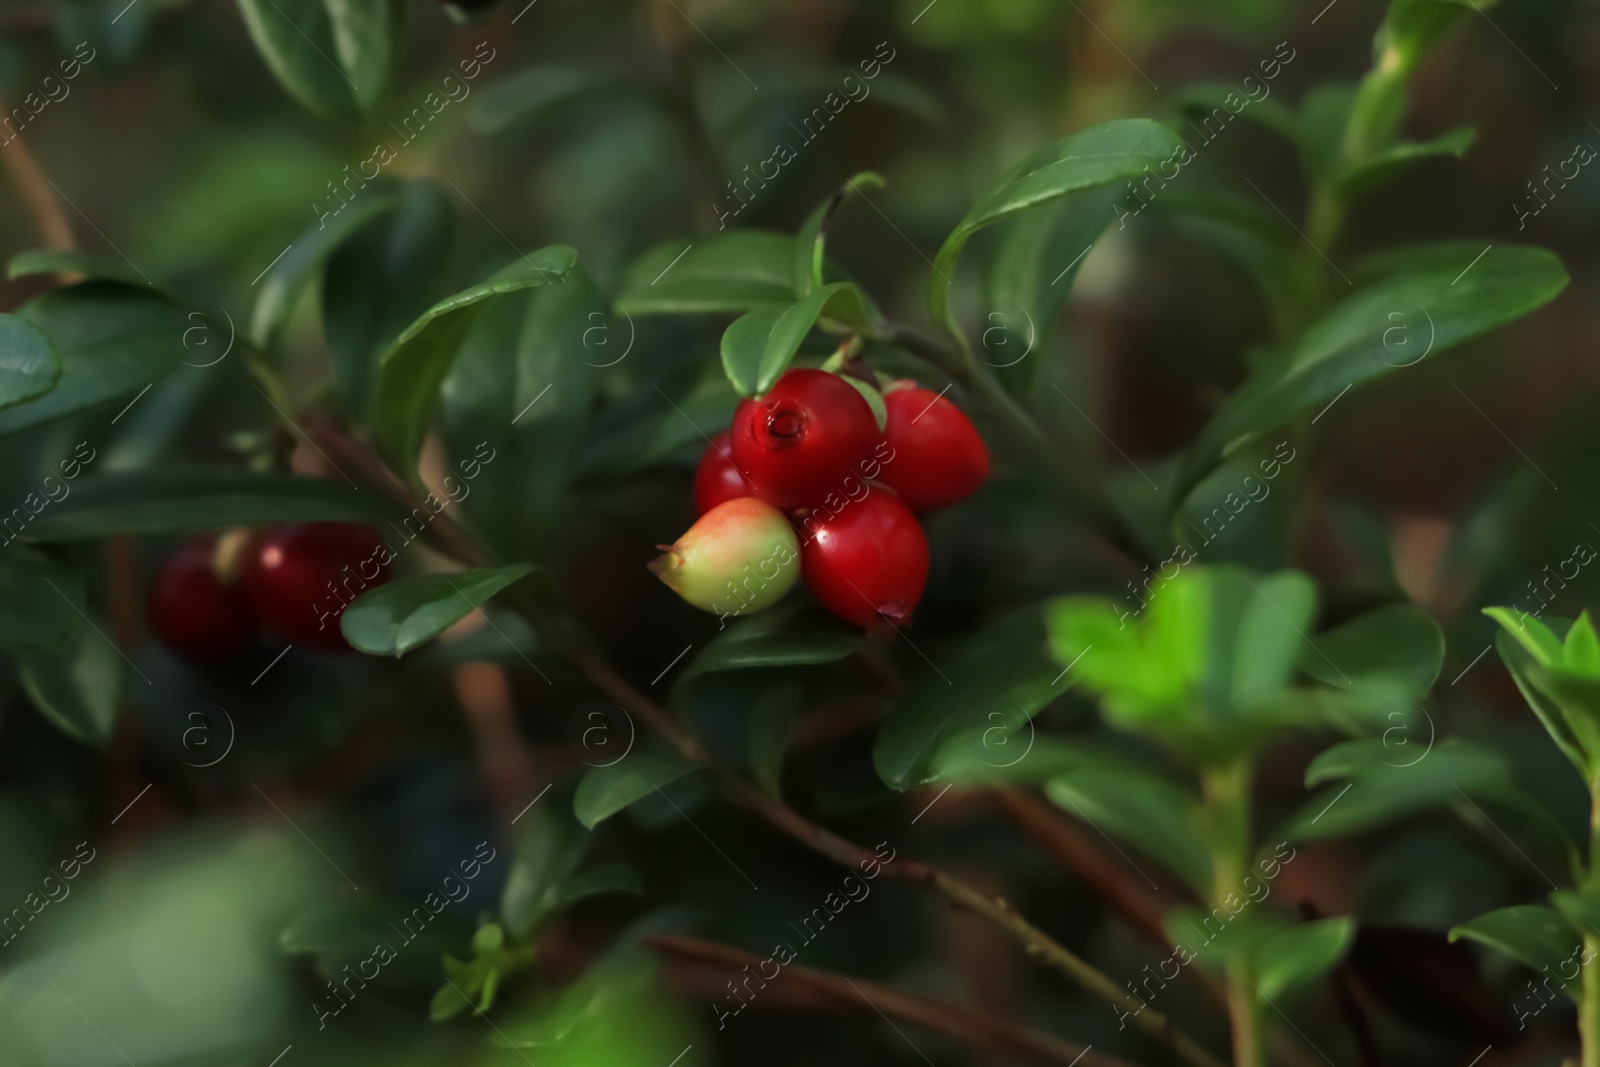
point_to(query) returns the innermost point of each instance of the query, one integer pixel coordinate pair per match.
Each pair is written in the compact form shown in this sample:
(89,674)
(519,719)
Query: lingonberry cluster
(815,479)
(211,594)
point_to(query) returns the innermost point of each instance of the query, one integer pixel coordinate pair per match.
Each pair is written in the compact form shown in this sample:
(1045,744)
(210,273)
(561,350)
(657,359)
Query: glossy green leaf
(1298,955)
(164,500)
(757,347)
(729,271)
(1099,155)
(536,91)
(1531,934)
(977,694)
(1444,305)
(1011,756)
(1162,820)
(1399,642)
(1524,643)
(279,291)
(810,247)
(78,687)
(112,341)
(380,280)
(336,57)
(549,847)
(788,636)
(772,717)
(604,791)
(29,366)
(519,398)
(413,367)
(41,599)
(396,617)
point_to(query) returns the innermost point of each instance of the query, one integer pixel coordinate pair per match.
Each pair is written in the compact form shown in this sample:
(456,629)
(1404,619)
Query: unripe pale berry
(939,457)
(739,557)
(717,480)
(867,562)
(801,440)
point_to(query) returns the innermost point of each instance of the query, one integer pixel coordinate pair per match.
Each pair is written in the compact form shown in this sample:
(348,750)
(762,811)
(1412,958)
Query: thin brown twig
(940,1016)
(35,189)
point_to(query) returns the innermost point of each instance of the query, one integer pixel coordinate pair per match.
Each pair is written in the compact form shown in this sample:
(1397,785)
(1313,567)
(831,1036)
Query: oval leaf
(604,791)
(757,348)
(395,618)
(78,687)
(29,366)
(732,271)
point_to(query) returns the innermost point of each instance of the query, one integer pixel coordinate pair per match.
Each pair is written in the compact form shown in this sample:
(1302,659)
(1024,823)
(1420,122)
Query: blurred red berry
(938,456)
(194,611)
(717,480)
(867,562)
(302,576)
(799,442)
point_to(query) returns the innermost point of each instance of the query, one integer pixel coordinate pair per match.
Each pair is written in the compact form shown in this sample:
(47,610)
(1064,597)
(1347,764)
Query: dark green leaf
(1300,954)
(757,348)
(1204,101)
(41,599)
(1399,642)
(77,688)
(1383,166)
(522,387)
(549,848)
(1161,819)
(205,498)
(112,342)
(606,878)
(336,57)
(977,695)
(784,637)
(1443,306)
(537,90)
(381,279)
(29,366)
(1100,155)
(91,265)
(413,367)
(395,618)
(772,716)
(1533,935)
(731,271)
(1248,236)
(604,791)
(291,276)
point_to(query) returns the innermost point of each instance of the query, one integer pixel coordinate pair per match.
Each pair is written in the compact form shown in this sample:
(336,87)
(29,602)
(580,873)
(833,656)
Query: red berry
(866,562)
(938,456)
(717,480)
(301,577)
(802,440)
(194,611)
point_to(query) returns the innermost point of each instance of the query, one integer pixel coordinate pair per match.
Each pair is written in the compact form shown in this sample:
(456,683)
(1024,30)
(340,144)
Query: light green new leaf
(1444,304)
(1100,155)
(396,617)
(1525,644)
(730,271)
(1298,955)
(77,688)
(758,346)
(412,368)
(604,791)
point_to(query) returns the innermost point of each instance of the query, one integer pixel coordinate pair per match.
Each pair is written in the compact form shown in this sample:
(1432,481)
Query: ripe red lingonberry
(867,562)
(802,439)
(302,576)
(717,480)
(938,456)
(739,557)
(197,611)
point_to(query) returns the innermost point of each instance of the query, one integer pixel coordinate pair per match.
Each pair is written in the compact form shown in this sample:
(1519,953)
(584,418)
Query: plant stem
(1227,797)
(1589,1006)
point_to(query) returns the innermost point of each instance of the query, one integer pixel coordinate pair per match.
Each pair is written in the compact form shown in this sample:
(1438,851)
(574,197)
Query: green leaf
(789,636)
(1525,645)
(1248,236)
(1324,117)
(976,694)
(395,618)
(41,599)
(1164,821)
(1580,652)
(772,717)
(549,847)
(1298,955)
(536,91)
(336,57)
(413,367)
(204,498)
(92,265)
(29,366)
(488,940)
(78,687)
(1452,302)
(1581,908)
(757,348)
(290,277)
(1100,155)
(112,342)
(809,247)
(1215,937)
(608,996)
(1383,166)
(606,878)
(731,271)
(381,279)
(523,387)
(1531,633)
(1399,642)
(1533,935)
(1204,100)
(604,791)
